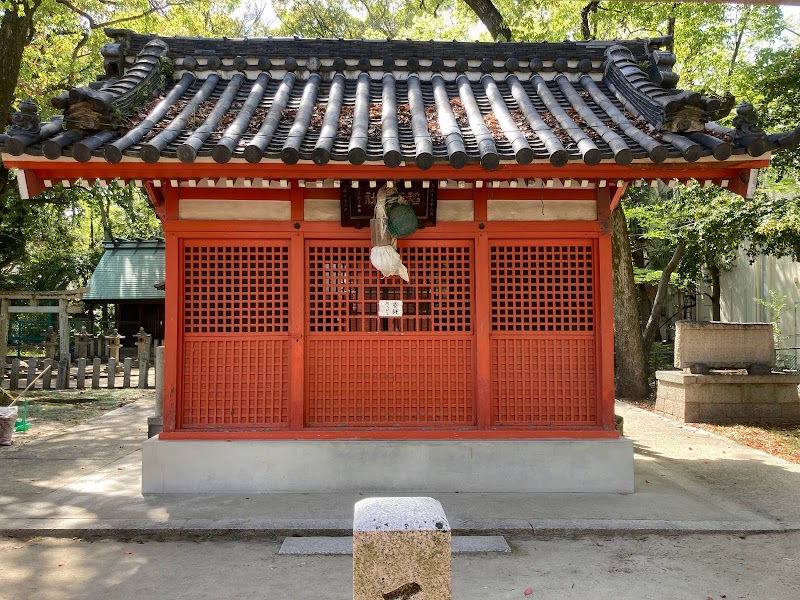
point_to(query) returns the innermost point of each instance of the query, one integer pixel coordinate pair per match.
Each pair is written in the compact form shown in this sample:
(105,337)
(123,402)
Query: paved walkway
(86,482)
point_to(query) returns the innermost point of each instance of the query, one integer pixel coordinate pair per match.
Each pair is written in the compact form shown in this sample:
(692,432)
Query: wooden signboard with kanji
(358,203)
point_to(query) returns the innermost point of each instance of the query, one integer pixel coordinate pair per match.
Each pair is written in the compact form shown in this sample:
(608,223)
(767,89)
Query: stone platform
(728,397)
(430,466)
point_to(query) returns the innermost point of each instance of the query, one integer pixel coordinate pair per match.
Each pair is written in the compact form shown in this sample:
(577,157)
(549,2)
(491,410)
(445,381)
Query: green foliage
(713,223)
(776,305)
(776,225)
(376,19)
(706,35)
(777,98)
(53,241)
(65,50)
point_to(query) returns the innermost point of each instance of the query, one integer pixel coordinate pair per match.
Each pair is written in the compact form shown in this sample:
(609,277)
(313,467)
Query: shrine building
(292,364)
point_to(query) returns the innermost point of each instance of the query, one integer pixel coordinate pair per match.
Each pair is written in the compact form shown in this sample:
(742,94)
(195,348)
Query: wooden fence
(89,370)
(80,374)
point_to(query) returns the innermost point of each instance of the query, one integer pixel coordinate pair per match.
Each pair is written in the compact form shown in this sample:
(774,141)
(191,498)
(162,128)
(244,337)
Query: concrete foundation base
(155,425)
(728,398)
(179,466)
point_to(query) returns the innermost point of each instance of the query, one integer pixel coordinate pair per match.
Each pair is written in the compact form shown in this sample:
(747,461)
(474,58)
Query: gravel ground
(620,568)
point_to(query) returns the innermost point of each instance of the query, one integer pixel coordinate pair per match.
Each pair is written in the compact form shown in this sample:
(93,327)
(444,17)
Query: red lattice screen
(231,382)
(380,382)
(345,290)
(236,289)
(366,369)
(542,288)
(236,345)
(543,356)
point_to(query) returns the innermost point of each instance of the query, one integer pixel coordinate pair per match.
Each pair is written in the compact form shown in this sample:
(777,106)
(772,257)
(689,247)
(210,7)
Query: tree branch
(154,8)
(78,11)
(78,46)
(744,23)
(586,31)
(489,15)
(663,284)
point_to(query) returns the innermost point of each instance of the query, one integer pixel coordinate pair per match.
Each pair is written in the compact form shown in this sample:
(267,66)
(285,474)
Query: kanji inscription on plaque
(390,308)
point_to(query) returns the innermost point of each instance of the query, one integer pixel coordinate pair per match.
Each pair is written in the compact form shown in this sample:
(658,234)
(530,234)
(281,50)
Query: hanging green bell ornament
(402,221)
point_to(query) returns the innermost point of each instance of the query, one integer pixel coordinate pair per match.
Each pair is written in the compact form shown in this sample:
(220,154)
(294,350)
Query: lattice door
(367,369)
(543,345)
(235,337)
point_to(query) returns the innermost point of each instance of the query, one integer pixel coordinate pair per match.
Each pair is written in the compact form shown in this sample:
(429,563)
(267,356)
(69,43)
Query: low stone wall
(728,398)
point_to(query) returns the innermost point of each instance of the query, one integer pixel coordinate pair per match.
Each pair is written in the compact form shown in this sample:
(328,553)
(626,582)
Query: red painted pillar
(604,308)
(173,316)
(481,315)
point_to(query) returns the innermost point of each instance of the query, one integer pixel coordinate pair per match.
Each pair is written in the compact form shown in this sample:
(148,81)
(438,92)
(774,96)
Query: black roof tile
(385,102)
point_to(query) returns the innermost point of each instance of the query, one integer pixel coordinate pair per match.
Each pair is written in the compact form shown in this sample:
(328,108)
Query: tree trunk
(630,377)
(661,293)
(716,311)
(16,29)
(586,30)
(671,26)
(15,33)
(489,15)
(743,23)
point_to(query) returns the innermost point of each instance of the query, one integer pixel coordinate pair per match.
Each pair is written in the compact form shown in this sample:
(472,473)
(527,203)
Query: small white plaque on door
(390,308)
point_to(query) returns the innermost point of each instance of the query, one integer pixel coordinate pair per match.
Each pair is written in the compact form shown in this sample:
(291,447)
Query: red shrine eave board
(733,175)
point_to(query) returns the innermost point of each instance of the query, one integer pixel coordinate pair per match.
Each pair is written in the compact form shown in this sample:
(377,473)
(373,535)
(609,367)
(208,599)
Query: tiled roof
(128,270)
(388,102)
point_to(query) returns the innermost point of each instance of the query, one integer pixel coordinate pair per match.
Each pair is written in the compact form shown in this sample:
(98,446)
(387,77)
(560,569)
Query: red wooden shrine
(272,322)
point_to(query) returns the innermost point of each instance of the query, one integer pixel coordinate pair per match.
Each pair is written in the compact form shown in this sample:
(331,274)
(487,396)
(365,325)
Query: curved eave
(38,174)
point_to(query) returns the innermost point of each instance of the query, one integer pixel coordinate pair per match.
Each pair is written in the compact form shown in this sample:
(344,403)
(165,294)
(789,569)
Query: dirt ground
(620,568)
(781,440)
(53,411)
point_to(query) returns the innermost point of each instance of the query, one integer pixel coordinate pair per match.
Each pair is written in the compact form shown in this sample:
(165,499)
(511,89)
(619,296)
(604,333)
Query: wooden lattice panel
(543,287)
(398,382)
(543,381)
(236,383)
(345,289)
(236,288)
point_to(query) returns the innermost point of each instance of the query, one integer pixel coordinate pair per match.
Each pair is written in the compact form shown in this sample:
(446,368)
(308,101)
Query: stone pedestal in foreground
(401,549)
(728,398)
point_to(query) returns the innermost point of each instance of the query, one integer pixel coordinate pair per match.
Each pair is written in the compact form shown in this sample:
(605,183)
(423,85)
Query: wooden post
(296,332)
(32,364)
(155,424)
(62,377)
(112,373)
(80,379)
(14,379)
(126,372)
(143,345)
(96,366)
(604,308)
(172,335)
(482,325)
(4,323)
(47,379)
(63,328)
